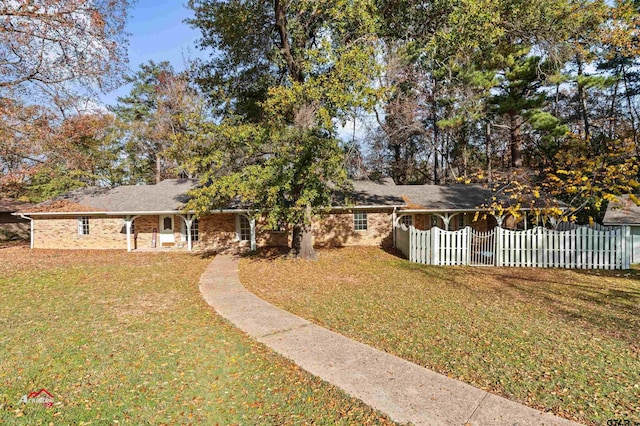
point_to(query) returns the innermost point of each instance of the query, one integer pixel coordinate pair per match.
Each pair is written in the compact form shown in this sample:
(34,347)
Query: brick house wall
(216,231)
(337,229)
(62,233)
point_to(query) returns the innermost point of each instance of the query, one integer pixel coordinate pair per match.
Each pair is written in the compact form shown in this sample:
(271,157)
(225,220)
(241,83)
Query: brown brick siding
(218,231)
(62,233)
(336,229)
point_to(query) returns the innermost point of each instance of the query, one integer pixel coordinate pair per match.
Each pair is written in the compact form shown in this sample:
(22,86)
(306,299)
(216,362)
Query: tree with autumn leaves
(54,55)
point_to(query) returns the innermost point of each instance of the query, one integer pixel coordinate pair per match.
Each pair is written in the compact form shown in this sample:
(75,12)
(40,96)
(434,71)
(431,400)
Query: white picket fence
(568,226)
(580,248)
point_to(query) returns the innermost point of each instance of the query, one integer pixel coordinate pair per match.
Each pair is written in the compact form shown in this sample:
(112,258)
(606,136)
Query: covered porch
(156,231)
(478,219)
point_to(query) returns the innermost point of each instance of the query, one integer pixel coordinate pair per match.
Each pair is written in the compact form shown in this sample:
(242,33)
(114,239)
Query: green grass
(557,340)
(126,338)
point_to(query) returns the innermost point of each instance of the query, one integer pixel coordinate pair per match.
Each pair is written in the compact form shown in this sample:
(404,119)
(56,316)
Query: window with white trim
(243,228)
(407,220)
(434,221)
(461,220)
(360,221)
(83,225)
(195,229)
(133,227)
(281,228)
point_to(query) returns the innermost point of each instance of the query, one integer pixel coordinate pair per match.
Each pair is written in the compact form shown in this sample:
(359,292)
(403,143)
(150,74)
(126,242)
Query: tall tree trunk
(612,111)
(436,132)
(515,136)
(582,101)
(436,181)
(158,168)
(302,238)
(632,114)
(487,137)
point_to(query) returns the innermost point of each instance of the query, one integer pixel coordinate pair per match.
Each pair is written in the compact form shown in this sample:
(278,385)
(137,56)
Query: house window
(195,232)
(434,221)
(243,230)
(360,221)
(167,224)
(407,220)
(133,227)
(281,228)
(83,225)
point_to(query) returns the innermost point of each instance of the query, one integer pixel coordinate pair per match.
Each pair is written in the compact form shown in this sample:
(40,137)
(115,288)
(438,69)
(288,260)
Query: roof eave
(124,213)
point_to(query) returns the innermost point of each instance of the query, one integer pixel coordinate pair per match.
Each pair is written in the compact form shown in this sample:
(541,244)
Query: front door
(166,230)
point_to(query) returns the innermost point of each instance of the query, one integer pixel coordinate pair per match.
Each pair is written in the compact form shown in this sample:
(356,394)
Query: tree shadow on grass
(269,254)
(604,301)
(609,308)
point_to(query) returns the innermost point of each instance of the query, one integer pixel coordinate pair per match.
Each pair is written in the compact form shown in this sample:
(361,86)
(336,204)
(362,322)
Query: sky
(158,33)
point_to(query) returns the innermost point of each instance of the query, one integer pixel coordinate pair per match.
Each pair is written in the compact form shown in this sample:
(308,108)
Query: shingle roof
(622,212)
(168,195)
(12,205)
(429,197)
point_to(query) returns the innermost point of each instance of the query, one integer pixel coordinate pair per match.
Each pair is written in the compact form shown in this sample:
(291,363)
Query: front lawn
(126,338)
(557,340)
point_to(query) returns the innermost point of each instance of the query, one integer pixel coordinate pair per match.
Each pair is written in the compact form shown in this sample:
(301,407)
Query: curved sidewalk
(405,391)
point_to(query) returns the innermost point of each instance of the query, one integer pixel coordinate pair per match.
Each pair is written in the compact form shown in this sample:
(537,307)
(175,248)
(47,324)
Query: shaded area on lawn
(558,340)
(121,337)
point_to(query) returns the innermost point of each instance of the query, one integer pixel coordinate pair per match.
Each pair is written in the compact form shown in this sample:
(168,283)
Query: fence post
(412,244)
(626,251)
(467,251)
(435,240)
(499,244)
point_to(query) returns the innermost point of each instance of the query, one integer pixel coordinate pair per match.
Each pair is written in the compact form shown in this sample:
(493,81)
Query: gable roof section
(171,195)
(622,212)
(458,197)
(166,196)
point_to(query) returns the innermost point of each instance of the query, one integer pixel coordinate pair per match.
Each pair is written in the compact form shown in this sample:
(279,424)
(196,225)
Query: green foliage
(273,173)
(283,81)
(549,125)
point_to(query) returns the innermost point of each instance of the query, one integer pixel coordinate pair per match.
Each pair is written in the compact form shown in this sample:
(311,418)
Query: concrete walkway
(403,390)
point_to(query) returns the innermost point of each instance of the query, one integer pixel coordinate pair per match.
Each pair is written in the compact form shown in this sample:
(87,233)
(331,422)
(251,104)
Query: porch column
(393,225)
(189,221)
(252,224)
(446,219)
(127,225)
